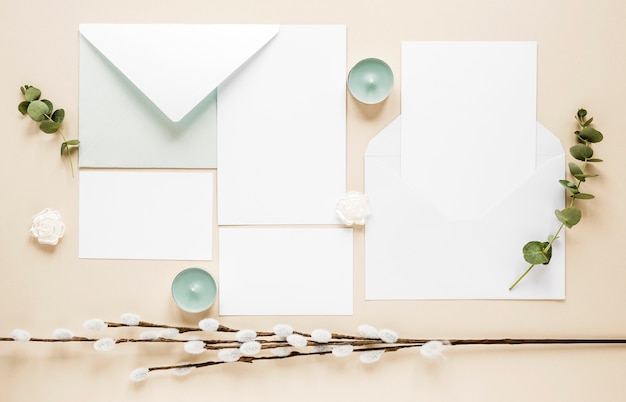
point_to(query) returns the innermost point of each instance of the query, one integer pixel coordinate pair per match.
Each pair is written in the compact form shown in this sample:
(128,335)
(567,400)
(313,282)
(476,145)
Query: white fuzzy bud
(20,335)
(95,324)
(209,324)
(130,319)
(229,355)
(367,331)
(283,330)
(245,335)
(321,336)
(104,344)
(62,334)
(194,347)
(169,333)
(388,335)
(433,350)
(139,374)
(297,341)
(250,348)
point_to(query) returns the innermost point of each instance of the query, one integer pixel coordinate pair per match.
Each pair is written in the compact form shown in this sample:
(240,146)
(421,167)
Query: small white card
(152,215)
(285,271)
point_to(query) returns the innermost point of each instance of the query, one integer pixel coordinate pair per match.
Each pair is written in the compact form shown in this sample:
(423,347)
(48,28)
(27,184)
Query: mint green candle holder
(370,81)
(194,290)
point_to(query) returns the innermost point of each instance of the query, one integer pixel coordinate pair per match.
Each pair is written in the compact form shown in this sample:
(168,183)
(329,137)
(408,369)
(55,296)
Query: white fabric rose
(47,227)
(353,208)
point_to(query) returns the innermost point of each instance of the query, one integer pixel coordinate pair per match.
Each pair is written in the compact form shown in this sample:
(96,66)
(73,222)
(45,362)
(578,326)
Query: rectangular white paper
(469,113)
(285,271)
(160,215)
(281,131)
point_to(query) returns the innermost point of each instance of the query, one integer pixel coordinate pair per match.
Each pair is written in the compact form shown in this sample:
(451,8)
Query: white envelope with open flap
(148,91)
(413,252)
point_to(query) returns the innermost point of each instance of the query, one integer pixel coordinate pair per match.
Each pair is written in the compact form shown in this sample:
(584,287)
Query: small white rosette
(353,208)
(47,227)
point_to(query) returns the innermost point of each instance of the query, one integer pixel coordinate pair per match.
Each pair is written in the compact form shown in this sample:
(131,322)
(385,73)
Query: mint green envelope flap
(148,92)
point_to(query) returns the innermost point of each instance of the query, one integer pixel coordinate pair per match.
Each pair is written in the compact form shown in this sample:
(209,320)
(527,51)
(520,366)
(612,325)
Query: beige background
(581,63)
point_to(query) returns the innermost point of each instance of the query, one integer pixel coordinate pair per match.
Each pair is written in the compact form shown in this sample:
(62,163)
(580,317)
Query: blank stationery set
(260,106)
(171,113)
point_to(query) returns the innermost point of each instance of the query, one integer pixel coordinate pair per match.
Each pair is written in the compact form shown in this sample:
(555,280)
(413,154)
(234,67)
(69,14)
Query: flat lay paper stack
(463,179)
(262,104)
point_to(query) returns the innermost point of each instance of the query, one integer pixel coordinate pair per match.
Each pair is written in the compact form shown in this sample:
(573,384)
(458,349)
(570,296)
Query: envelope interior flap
(387,142)
(177,66)
(548,145)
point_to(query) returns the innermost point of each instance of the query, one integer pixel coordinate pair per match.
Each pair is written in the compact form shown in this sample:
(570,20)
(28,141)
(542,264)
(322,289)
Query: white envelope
(413,252)
(148,91)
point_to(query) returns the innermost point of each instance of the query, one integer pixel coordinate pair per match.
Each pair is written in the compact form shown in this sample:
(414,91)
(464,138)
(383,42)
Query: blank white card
(285,271)
(151,215)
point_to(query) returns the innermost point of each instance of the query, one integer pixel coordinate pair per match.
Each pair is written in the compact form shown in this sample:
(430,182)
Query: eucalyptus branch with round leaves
(540,252)
(282,342)
(42,111)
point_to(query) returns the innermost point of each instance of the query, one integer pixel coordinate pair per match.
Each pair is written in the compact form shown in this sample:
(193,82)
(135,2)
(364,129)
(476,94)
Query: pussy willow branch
(252,359)
(222,328)
(337,339)
(396,347)
(359,344)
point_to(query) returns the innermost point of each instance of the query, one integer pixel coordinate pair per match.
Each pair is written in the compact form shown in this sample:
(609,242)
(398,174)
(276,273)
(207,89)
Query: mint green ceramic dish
(370,81)
(194,290)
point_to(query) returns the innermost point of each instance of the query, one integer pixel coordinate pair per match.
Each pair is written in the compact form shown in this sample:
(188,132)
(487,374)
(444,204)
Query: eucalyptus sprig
(42,110)
(538,252)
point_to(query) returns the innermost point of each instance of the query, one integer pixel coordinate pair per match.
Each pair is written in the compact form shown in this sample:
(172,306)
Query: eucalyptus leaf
(58,115)
(581,152)
(569,216)
(72,142)
(49,126)
(594,160)
(581,113)
(574,169)
(50,107)
(23,106)
(583,196)
(24,88)
(32,94)
(569,186)
(588,122)
(37,110)
(582,177)
(63,148)
(534,252)
(590,134)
